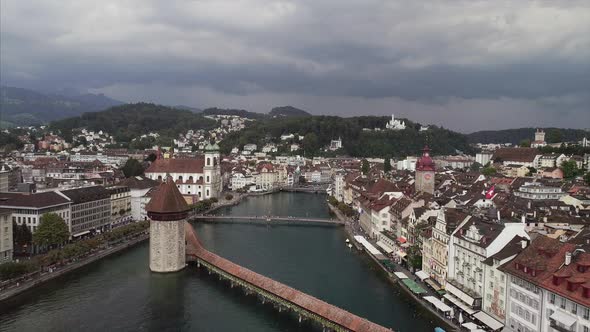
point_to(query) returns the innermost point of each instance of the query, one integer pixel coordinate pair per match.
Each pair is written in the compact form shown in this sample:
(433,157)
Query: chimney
(568,258)
(529,205)
(523,244)
(498,214)
(523,219)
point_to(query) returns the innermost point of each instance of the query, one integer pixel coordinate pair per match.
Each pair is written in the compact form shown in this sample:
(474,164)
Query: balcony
(560,327)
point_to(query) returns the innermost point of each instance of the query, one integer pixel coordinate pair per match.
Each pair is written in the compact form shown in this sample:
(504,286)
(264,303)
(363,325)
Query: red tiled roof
(177,165)
(167,199)
(515,154)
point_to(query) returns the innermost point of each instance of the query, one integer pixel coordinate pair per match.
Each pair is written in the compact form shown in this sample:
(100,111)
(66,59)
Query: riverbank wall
(27,285)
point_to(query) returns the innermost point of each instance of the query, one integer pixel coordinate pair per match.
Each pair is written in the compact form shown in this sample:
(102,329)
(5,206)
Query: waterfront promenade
(352,228)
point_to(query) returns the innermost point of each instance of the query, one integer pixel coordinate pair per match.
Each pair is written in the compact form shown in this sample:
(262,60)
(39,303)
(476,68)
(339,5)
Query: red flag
(490,193)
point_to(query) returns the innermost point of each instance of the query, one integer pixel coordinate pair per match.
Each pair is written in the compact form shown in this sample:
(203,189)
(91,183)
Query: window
(586,313)
(562,305)
(552,298)
(574,308)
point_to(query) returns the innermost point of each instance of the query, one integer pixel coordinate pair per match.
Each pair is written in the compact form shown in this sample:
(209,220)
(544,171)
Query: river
(119,293)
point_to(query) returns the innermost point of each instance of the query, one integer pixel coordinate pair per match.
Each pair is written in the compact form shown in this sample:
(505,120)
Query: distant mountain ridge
(515,136)
(22,107)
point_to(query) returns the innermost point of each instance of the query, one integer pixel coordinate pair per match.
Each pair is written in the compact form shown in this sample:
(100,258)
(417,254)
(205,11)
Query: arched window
(208,161)
(214,161)
(207,178)
(190,178)
(201,178)
(159,178)
(180,178)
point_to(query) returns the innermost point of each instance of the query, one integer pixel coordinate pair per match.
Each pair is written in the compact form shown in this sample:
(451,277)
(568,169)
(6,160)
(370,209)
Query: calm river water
(119,293)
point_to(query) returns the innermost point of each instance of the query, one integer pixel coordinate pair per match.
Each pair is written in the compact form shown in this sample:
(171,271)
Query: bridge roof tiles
(303,300)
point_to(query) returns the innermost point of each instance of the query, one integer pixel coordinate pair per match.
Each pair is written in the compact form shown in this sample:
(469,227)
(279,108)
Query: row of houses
(503,251)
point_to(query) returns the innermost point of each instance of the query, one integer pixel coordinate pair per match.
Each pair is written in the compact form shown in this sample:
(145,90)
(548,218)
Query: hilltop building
(539,139)
(394,124)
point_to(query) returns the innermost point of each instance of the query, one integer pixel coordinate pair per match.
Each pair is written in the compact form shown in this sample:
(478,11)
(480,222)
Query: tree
(81,140)
(554,136)
(365,166)
(333,201)
(587,178)
(488,171)
(52,231)
(311,144)
(132,168)
(525,143)
(475,166)
(387,165)
(151,158)
(414,257)
(21,234)
(569,168)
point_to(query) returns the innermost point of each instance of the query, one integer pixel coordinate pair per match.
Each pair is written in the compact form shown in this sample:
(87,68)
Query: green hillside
(320,130)
(130,121)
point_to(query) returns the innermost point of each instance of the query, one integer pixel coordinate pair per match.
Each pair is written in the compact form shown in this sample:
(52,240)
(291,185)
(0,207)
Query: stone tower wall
(167,246)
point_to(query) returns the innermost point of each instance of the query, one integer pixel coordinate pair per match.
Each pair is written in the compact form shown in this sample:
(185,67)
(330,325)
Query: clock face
(427,176)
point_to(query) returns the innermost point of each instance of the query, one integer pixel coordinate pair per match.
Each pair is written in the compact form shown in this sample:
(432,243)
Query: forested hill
(516,136)
(23,107)
(287,111)
(236,112)
(320,130)
(130,121)
(359,138)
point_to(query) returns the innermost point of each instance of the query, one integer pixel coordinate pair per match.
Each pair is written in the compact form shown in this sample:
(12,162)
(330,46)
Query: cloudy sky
(466,65)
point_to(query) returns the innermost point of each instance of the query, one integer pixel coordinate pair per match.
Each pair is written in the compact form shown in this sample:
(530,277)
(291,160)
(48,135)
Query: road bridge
(285,298)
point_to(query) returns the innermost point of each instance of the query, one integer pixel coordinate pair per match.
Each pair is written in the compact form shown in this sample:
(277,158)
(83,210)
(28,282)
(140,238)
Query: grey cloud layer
(424,52)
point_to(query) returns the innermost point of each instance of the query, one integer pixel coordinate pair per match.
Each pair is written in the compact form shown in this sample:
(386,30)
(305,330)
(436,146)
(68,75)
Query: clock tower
(425,173)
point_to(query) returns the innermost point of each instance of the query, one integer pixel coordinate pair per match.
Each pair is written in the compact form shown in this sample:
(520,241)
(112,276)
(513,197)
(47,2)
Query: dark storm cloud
(410,55)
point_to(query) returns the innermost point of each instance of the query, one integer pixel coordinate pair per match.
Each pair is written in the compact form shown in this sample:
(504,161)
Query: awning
(432,284)
(438,304)
(400,275)
(401,254)
(370,248)
(401,239)
(422,275)
(81,233)
(459,304)
(489,321)
(461,295)
(470,326)
(384,246)
(563,318)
